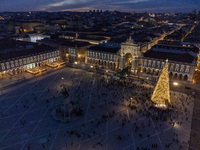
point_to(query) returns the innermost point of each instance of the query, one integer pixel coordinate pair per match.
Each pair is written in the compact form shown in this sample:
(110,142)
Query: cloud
(84,5)
(93,4)
(67,2)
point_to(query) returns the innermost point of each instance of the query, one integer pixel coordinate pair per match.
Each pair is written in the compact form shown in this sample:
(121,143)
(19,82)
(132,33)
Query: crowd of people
(118,104)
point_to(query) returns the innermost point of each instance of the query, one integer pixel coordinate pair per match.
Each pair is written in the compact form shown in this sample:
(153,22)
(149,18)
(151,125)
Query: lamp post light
(131,99)
(63,81)
(175,83)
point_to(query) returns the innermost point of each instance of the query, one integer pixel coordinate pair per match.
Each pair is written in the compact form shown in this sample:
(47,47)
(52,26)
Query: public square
(117,115)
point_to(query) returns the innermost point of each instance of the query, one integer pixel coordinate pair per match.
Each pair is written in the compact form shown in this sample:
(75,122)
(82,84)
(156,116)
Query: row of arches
(19,70)
(172,75)
(151,71)
(178,76)
(110,65)
(11,72)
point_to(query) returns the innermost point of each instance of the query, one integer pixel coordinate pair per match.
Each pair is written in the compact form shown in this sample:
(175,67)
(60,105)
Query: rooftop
(65,42)
(10,48)
(173,55)
(75,43)
(104,49)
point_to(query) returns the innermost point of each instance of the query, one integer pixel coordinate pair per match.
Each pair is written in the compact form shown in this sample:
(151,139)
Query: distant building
(104,56)
(75,24)
(29,26)
(182,59)
(39,28)
(182,56)
(18,56)
(69,35)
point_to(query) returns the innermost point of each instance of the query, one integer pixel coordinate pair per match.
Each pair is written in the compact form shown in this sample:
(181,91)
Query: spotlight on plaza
(75,62)
(91,66)
(160,106)
(175,83)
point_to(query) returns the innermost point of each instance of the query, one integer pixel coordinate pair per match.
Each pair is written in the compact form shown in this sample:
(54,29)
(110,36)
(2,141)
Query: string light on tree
(161,95)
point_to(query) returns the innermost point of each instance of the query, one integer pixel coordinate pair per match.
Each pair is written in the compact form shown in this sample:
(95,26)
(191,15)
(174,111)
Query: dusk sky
(85,5)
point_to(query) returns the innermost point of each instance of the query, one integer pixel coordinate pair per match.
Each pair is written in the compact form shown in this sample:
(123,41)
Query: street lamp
(63,81)
(175,84)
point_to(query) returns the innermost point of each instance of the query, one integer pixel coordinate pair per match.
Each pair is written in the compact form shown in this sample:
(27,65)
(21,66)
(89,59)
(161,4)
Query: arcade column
(134,65)
(121,62)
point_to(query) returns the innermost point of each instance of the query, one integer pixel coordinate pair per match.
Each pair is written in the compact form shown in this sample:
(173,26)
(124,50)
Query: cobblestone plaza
(108,121)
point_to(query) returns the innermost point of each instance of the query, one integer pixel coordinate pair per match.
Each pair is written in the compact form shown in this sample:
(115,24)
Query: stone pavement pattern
(108,123)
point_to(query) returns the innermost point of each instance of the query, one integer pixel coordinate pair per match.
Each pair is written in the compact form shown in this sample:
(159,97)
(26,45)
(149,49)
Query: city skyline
(85,5)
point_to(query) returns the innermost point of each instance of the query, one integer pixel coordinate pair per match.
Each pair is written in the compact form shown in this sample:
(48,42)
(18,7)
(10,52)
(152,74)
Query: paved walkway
(13,82)
(195,129)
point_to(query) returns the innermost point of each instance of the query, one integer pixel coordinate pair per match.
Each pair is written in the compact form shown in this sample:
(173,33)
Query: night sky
(85,5)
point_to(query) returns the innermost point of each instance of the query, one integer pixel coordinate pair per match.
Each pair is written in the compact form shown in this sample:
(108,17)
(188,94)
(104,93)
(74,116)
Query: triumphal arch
(130,56)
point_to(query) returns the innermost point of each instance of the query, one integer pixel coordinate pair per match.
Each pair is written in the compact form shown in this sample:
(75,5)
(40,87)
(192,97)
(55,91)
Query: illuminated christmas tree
(161,96)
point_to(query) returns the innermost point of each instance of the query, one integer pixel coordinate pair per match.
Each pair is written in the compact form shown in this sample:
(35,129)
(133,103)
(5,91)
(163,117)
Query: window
(172,67)
(12,64)
(163,64)
(8,65)
(28,59)
(187,69)
(24,60)
(2,66)
(154,63)
(20,62)
(177,67)
(105,56)
(42,57)
(149,65)
(158,64)
(145,62)
(182,68)
(16,63)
